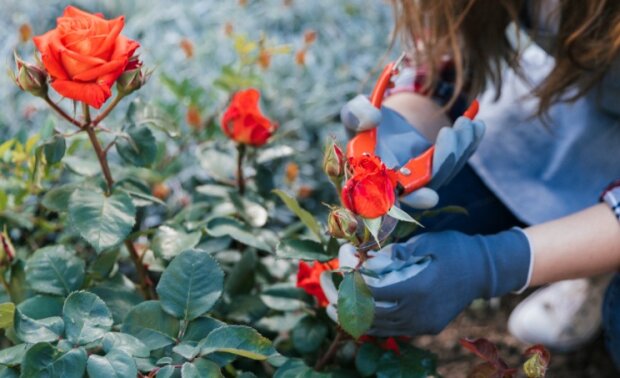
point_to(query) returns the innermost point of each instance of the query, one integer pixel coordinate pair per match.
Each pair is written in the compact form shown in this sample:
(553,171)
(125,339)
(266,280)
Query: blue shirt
(542,172)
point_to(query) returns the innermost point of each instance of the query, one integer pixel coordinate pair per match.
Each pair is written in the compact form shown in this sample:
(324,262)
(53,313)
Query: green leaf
(306,218)
(57,199)
(7,372)
(102,221)
(169,242)
(367,359)
(149,323)
(126,343)
(373,225)
(55,270)
(118,296)
(241,279)
(400,214)
(86,317)
(295,368)
(165,372)
(356,307)
(200,327)
(219,227)
(116,363)
(43,360)
(54,149)
(138,147)
(38,330)
(200,368)
(285,297)
(309,334)
(81,166)
(187,349)
(13,356)
(154,116)
(190,285)
(240,340)
(7,311)
(412,363)
(103,264)
(42,306)
(301,249)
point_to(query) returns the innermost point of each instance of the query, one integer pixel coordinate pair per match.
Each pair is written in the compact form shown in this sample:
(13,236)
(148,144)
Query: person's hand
(421,285)
(398,141)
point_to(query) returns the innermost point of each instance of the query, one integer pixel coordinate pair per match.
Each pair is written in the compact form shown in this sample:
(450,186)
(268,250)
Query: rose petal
(91,93)
(115,67)
(107,47)
(75,63)
(50,60)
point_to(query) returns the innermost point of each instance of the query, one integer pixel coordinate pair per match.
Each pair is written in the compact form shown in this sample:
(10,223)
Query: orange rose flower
(243,121)
(308,278)
(370,191)
(85,55)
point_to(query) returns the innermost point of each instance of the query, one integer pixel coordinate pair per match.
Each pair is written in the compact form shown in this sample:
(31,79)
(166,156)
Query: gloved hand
(424,283)
(398,142)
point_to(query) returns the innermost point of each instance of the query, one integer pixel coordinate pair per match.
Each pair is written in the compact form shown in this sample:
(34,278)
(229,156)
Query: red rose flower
(308,278)
(243,121)
(387,344)
(85,55)
(370,190)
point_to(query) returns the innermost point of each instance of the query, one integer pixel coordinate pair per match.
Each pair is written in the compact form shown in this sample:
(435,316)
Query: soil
(489,320)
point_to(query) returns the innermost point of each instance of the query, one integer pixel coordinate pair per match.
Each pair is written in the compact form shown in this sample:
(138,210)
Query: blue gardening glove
(398,141)
(431,278)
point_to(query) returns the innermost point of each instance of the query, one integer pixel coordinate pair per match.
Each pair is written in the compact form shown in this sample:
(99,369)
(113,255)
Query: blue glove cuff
(508,259)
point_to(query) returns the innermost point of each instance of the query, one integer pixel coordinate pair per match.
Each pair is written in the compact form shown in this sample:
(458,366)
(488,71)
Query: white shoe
(562,316)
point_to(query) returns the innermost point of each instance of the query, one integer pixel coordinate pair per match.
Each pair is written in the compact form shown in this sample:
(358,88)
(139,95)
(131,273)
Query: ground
(489,321)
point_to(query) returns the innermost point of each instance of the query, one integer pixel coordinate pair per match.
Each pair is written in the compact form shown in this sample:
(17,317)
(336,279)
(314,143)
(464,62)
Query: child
(551,147)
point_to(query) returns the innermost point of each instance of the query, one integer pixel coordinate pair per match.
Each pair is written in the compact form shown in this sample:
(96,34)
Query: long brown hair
(473,34)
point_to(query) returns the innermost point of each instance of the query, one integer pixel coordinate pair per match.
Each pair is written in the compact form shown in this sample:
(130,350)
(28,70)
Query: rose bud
(133,78)
(30,78)
(333,161)
(341,223)
(370,193)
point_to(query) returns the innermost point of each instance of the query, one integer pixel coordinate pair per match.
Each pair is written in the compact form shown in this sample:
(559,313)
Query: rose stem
(240,180)
(61,112)
(331,351)
(107,111)
(147,289)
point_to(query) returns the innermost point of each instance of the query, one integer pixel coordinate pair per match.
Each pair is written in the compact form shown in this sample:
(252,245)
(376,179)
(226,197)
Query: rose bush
(129,247)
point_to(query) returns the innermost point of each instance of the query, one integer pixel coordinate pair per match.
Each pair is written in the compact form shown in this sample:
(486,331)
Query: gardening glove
(398,141)
(432,277)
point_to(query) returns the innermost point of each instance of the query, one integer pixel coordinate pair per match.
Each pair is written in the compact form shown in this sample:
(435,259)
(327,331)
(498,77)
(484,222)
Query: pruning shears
(417,172)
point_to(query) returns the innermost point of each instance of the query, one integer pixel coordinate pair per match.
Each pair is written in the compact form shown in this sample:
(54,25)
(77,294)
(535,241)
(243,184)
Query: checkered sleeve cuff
(611,196)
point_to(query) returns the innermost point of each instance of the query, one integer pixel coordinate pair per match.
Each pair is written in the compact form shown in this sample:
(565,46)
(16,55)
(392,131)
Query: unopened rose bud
(333,162)
(342,223)
(133,78)
(30,78)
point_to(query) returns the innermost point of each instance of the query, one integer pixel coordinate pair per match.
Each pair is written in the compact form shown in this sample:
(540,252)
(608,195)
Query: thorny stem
(241,148)
(99,151)
(61,112)
(331,351)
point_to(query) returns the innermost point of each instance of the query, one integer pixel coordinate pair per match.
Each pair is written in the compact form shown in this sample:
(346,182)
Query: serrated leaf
(149,323)
(169,242)
(356,306)
(300,249)
(138,146)
(306,217)
(12,356)
(38,330)
(374,226)
(190,285)
(55,270)
(87,318)
(102,221)
(115,364)
(7,312)
(240,340)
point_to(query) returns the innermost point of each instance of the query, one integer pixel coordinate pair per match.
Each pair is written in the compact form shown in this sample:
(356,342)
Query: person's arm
(579,245)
